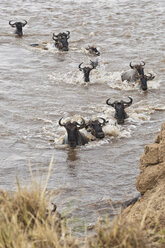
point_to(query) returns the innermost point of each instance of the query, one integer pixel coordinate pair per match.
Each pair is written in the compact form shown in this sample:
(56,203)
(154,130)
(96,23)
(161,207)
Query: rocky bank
(149,210)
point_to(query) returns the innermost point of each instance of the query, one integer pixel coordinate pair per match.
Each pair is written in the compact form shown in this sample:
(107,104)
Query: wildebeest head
(86,70)
(144,79)
(18,26)
(73,133)
(93,50)
(119,107)
(139,68)
(61,40)
(95,127)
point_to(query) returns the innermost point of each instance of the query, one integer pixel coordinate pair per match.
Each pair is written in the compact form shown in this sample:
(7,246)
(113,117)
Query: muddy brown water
(38,87)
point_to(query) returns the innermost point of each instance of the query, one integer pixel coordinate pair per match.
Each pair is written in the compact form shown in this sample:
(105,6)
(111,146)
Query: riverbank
(148,212)
(142,224)
(28,220)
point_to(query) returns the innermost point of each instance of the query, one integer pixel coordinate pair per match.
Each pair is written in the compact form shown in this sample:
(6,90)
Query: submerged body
(18,26)
(78,140)
(119,107)
(136,73)
(92,50)
(74,137)
(130,75)
(87,69)
(61,41)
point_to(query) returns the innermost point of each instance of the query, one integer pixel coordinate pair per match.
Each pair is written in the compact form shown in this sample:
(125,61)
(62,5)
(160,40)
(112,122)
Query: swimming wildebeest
(131,201)
(87,69)
(95,127)
(93,51)
(133,74)
(61,41)
(137,73)
(18,26)
(119,107)
(74,136)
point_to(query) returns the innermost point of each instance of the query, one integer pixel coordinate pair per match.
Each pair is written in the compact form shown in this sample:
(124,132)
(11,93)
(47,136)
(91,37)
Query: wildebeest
(119,107)
(133,74)
(87,69)
(18,26)
(144,79)
(131,201)
(137,73)
(42,45)
(95,127)
(74,136)
(93,51)
(61,41)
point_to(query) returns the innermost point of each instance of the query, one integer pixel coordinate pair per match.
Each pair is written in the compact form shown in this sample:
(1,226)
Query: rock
(150,155)
(162,152)
(148,211)
(150,177)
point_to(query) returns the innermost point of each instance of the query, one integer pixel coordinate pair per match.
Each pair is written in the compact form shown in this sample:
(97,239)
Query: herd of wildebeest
(135,74)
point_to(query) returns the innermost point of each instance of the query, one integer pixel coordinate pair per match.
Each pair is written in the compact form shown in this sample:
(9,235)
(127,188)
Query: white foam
(101,76)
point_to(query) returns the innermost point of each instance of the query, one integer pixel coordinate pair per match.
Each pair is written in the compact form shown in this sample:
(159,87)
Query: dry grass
(25,221)
(117,235)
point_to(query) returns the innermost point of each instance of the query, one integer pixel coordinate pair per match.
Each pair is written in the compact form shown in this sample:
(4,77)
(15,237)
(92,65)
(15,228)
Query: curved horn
(53,37)
(80,68)
(82,124)
(143,63)
(128,103)
(68,35)
(108,103)
(131,65)
(12,24)
(150,77)
(62,125)
(25,22)
(104,120)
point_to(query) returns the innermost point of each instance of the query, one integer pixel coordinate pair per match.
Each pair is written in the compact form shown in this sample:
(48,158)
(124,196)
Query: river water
(38,87)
